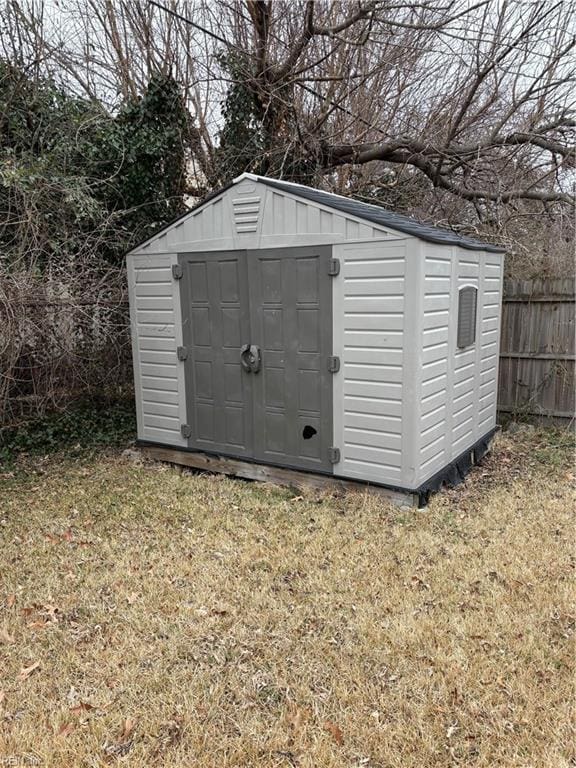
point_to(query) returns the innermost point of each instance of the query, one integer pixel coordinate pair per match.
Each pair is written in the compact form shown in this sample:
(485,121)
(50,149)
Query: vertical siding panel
(131,273)
(289,215)
(434,339)
(412,357)
(301,218)
(339,227)
(326,222)
(278,213)
(313,220)
(156,333)
(218,218)
(352,229)
(368,317)
(481,300)
(451,352)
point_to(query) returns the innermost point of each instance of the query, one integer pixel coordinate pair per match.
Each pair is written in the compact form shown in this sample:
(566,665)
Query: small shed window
(467,316)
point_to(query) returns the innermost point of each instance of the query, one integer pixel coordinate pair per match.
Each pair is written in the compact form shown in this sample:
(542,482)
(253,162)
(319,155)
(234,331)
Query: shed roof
(378,215)
(373,213)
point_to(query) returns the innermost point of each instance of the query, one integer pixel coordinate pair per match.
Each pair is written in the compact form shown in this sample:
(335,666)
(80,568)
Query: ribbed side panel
(368,302)
(458,386)
(466,368)
(489,311)
(156,330)
(438,265)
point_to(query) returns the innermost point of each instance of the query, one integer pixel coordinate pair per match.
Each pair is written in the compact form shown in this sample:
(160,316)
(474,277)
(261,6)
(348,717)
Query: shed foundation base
(270,474)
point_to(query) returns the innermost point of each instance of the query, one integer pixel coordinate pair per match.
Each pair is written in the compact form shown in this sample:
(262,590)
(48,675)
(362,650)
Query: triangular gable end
(252,214)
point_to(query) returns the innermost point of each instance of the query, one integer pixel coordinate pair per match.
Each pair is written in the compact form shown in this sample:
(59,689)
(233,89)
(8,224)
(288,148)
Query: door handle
(255,358)
(250,358)
(244,354)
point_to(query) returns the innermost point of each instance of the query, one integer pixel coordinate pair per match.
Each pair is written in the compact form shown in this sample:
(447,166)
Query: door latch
(334,267)
(250,358)
(334,455)
(333,364)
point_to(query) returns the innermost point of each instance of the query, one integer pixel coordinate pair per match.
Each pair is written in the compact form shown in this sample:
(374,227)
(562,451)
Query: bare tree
(463,109)
(475,98)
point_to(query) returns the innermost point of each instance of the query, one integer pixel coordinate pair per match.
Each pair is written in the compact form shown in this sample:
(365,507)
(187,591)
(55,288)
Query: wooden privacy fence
(537,349)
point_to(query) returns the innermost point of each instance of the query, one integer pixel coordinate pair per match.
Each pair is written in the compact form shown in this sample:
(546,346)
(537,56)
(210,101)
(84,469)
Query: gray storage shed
(285,326)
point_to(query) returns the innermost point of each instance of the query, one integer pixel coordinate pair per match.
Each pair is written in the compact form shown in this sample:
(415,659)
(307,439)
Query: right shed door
(291,321)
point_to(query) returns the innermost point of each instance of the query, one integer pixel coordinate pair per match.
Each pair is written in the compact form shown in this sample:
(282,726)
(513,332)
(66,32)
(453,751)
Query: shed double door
(257,330)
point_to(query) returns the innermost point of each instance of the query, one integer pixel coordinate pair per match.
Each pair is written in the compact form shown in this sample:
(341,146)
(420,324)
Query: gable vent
(246,213)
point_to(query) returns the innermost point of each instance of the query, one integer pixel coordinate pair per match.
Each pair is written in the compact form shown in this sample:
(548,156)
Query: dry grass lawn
(153,617)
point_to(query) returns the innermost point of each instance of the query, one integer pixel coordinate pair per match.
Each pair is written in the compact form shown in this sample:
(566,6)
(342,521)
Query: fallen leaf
(82,707)
(6,637)
(68,536)
(10,600)
(123,743)
(334,731)
(52,538)
(2,695)
(296,717)
(131,599)
(66,729)
(129,725)
(51,610)
(25,672)
(38,624)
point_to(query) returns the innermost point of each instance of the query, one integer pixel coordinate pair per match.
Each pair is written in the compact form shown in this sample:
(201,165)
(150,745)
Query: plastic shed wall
(457,387)
(369,304)
(156,333)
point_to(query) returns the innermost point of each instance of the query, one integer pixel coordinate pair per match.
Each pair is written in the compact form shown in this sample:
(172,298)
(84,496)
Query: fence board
(538,351)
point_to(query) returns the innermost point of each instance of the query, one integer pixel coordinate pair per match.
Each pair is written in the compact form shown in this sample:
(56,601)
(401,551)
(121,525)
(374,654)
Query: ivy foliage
(90,424)
(260,134)
(77,180)
(147,170)
(242,139)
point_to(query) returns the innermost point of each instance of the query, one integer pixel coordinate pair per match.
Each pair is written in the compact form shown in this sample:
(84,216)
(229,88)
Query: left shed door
(215,324)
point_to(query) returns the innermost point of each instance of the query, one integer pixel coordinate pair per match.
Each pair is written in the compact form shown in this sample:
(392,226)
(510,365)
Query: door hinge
(334,455)
(333,364)
(334,267)
(182,353)
(186,430)
(177,271)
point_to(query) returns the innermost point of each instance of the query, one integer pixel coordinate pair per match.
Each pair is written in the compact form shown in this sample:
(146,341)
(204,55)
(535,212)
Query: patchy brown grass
(160,618)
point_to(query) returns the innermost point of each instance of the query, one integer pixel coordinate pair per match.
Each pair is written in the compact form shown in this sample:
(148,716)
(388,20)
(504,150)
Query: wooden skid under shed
(277,475)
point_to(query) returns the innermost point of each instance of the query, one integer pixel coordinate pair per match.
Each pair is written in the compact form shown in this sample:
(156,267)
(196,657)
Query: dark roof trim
(348,205)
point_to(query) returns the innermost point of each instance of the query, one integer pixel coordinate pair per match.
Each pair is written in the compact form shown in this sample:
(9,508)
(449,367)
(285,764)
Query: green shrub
(93,423)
